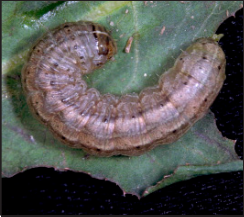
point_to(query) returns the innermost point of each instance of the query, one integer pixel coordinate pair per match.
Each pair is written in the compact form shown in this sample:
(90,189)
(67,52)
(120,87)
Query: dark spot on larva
(182,60)
(37,113)
(37,102)
(206,100)
(138,147)
(219,67)
(75,47)
(99,64)
(140,112)
(25,80)
(188,76)
(66,26)
(34,47)
(205,58)
(28,72)
(38,51)
(133,116)
(105,120)
(174,131)
(162,105)
(63,138)
(55,64)
(185,83)
(81,57)
(98,149)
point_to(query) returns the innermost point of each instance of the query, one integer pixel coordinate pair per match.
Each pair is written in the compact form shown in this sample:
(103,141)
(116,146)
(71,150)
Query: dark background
(46,191)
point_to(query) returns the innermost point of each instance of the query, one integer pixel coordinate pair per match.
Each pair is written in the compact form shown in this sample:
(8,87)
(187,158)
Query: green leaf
(27,144)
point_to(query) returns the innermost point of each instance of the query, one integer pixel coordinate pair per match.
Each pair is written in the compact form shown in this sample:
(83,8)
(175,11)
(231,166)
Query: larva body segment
(106,125)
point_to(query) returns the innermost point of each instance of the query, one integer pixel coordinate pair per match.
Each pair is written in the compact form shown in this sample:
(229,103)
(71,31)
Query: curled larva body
(106,125)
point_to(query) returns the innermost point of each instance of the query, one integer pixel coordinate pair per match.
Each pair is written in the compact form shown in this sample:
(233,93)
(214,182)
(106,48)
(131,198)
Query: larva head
(105,46)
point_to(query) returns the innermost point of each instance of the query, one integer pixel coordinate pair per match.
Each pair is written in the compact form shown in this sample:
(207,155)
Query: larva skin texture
(106,125)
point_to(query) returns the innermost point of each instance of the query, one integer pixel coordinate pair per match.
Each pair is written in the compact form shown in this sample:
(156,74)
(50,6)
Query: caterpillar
(106,125)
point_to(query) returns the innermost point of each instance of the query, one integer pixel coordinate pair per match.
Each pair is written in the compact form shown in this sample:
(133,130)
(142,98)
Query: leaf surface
(27,144)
